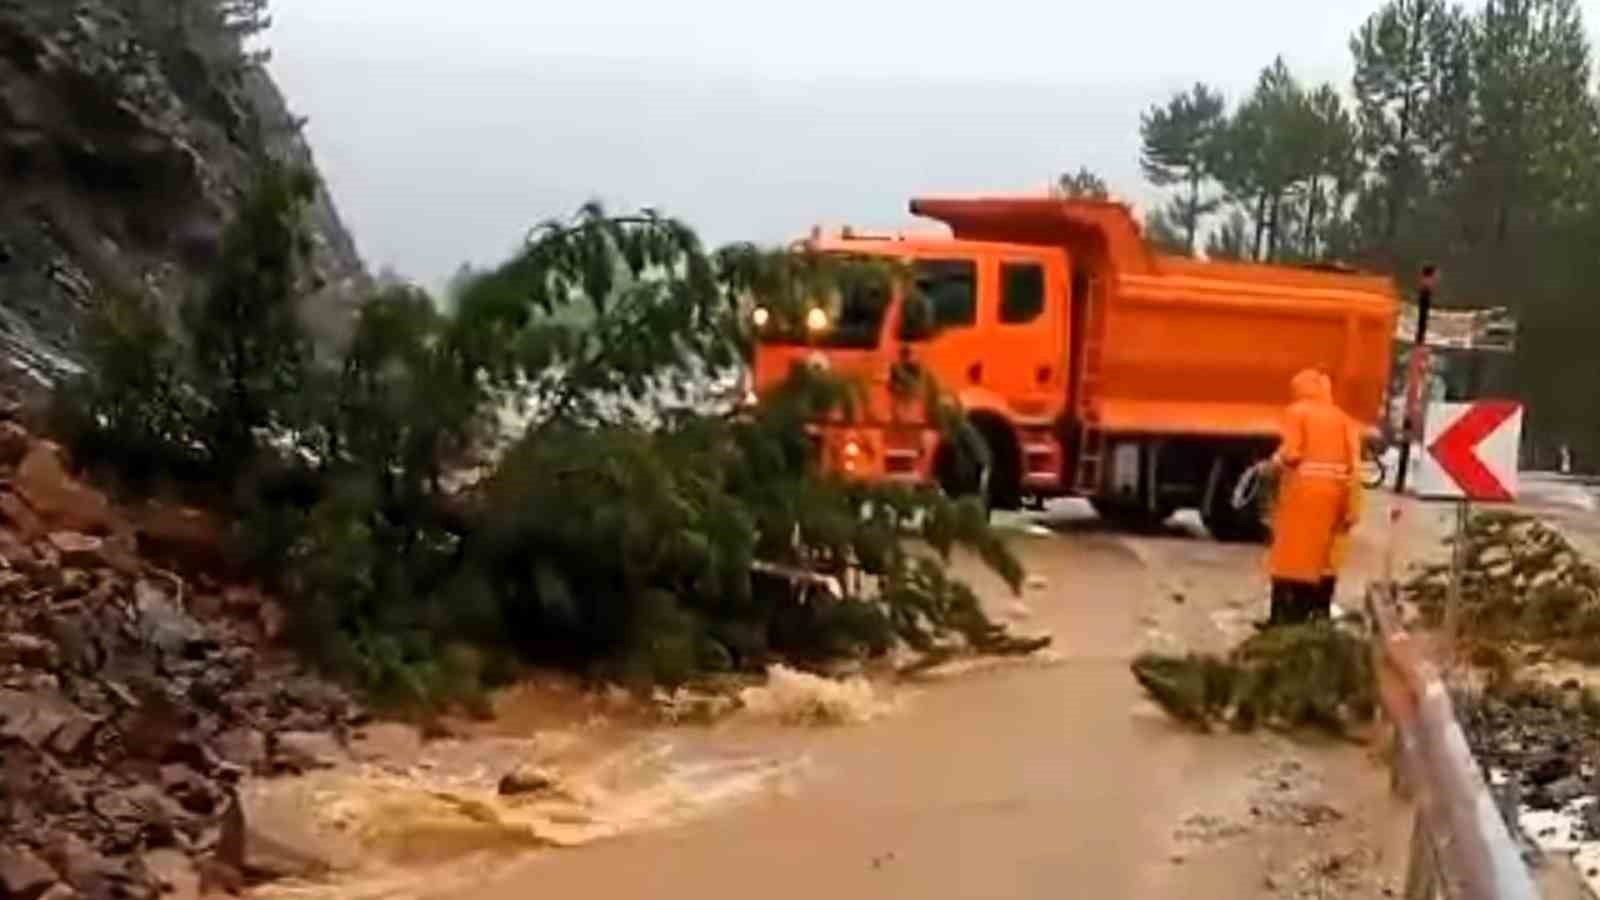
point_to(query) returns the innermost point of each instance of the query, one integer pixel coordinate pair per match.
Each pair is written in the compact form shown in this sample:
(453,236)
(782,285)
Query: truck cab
(990,321)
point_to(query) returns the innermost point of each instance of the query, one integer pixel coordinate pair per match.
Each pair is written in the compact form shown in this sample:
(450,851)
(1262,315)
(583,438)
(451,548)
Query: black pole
(1419,345)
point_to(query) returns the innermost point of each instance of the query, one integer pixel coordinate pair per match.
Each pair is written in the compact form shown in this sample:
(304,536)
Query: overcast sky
(446,129)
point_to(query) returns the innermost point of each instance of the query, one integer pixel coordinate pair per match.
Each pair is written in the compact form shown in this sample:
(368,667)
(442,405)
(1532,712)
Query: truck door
(954,353)
(1026,327)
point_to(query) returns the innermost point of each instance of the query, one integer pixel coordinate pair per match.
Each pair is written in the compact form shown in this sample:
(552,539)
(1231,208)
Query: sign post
(1470,457)
(1425,286)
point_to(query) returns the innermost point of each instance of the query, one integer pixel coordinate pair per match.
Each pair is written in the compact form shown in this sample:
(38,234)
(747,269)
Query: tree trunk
(1308,233)
(1193,215)
(1261,225)
(1401,180)
(1272,230)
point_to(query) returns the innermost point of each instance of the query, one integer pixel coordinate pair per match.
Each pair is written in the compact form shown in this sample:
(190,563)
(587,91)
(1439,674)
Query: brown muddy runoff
(1049,776)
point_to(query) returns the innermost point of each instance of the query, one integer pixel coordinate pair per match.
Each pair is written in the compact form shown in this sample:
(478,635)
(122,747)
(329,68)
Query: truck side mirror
(916,318)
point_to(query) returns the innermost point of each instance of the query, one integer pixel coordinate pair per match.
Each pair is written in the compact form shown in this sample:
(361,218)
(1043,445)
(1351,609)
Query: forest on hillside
(1467,137)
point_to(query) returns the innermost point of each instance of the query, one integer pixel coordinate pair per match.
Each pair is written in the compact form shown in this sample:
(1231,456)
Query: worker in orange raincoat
(1317,460)
(1355,501)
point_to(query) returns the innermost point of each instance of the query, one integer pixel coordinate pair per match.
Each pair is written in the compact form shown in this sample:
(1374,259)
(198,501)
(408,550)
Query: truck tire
(1005,463)
(959,475)
(1129,516)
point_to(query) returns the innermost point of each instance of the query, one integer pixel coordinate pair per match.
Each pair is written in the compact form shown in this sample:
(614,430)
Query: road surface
(1028,779)
(1041,781)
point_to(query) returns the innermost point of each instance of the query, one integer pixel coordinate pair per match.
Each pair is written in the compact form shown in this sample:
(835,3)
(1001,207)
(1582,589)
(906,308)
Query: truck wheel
(1126,516)
(1005,472)
(959,475)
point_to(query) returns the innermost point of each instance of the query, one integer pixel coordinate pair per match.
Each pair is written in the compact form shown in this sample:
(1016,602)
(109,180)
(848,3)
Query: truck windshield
(854,316)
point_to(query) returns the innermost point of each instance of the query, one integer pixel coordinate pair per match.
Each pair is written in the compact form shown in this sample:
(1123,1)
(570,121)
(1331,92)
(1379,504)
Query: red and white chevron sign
(1471,451)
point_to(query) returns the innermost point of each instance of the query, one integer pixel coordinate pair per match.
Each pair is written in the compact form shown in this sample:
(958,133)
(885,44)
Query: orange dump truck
(1090,364)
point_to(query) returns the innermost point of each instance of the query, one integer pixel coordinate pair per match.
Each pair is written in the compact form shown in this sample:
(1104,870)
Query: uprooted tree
(544,474)
(1317,675)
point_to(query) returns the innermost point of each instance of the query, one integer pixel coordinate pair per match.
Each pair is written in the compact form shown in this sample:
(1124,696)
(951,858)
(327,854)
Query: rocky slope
(134,699)
(127,134)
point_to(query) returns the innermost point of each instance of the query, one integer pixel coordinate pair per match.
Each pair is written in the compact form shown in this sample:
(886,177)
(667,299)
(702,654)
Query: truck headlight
(761,316)
(816,319)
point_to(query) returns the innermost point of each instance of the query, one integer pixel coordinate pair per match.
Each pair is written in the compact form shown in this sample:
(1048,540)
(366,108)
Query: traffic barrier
(1461,848)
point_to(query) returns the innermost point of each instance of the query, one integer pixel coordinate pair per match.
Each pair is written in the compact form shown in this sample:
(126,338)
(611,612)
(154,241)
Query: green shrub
(615,535)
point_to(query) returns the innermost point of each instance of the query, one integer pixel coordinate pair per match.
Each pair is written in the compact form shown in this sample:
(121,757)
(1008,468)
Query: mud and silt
(1014,779)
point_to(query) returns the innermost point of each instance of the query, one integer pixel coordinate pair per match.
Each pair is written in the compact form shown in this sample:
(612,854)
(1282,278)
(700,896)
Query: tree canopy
(546,472)
(1467,138)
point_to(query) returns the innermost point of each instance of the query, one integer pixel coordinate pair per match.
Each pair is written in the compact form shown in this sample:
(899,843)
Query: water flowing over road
(1045,777)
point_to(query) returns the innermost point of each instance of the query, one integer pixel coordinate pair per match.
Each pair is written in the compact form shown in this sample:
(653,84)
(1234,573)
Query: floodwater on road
(1031,778)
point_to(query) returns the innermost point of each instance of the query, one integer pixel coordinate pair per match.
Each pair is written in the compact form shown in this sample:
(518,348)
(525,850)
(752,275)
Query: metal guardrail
(1461,848)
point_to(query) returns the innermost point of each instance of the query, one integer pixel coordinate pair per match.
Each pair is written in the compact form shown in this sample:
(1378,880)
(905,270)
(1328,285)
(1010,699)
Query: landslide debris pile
(1522,582)
(1317,675)
(132,700)
(1543,739)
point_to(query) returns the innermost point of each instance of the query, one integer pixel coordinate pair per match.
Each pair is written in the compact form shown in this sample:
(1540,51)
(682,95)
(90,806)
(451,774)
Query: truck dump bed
(1190,347)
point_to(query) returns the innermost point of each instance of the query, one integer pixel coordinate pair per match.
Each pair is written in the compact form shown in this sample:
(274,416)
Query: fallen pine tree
(1317,675)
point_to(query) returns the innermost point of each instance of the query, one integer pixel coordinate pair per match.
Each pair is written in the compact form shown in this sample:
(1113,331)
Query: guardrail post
(1422,864)
(1461,847)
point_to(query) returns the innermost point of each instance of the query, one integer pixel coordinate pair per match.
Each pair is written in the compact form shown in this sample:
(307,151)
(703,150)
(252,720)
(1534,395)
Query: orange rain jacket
(1318,459)
(1355,501)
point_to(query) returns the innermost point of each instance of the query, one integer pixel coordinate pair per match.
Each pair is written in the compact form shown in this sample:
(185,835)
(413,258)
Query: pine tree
(1231,240)
(250,349)
(1331,170)
(1082,184)
(1180,148)
(1536,122)
(1166,227)
(1412,86)
(1268,147)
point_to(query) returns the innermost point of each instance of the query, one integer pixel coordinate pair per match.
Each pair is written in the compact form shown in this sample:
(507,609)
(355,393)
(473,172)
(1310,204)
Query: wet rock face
(127,721)
(123,151)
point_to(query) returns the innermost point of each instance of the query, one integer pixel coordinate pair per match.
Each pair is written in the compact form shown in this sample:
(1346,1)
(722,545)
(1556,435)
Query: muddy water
(1051,777)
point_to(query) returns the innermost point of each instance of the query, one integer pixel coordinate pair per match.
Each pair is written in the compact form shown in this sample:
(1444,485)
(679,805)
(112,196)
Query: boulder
(61,500)
(386,741)
(527,780)
(75,736)
(13,550)
(14,443)
(156,814)
(250,845)
(175,873)
(242,602)
(13,584)
(24,876)
(183,536)
(192,791)
(19,515)
(272,619)
(28,650)
(80,550)
(81,866)
(153,728)
(205,606)
(301,751)
(35,718)
(161,623)
(243,747)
